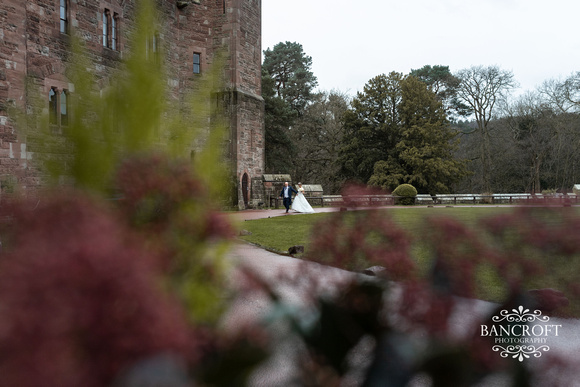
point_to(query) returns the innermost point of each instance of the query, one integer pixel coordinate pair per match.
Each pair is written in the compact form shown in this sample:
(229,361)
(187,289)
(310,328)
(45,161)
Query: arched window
(111,30)
(58,109)
(106,28)
(245,189)
(52,107)
(114,22)
(63,108)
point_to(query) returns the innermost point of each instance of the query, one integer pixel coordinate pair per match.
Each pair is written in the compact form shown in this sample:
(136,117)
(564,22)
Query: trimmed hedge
(406,193)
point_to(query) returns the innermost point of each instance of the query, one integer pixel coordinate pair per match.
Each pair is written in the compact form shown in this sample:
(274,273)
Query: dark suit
(287,200)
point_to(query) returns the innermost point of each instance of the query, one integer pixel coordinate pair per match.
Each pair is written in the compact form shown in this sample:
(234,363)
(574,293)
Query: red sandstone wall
(202,28)
(12,70)
(243,33)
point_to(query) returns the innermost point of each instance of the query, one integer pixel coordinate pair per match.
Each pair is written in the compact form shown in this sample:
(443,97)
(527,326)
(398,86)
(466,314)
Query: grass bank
(279,233)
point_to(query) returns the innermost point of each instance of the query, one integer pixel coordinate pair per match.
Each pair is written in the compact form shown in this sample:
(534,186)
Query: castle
(35,37)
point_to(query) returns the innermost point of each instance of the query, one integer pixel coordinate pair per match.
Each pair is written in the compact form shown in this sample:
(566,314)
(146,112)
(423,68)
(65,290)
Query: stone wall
(248,118)
(242,33)
(34,52)
(12,65)
(273,184)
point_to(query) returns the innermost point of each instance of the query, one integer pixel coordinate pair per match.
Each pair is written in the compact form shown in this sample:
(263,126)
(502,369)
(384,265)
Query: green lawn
(279,233)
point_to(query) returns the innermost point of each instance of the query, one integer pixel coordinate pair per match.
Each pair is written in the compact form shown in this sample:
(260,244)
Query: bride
(300,204)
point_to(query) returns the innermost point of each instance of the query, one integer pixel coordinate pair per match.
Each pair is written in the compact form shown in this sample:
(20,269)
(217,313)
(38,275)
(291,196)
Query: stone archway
(245,189)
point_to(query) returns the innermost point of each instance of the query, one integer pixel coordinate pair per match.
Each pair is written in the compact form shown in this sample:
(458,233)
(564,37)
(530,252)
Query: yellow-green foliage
(405,190)
(407,194)
(131,117)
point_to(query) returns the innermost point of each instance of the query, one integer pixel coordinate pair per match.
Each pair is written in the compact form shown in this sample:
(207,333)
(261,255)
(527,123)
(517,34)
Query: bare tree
(564,95)
(483,89)
(553,93)
(572,90)
(531,123)
(318,137)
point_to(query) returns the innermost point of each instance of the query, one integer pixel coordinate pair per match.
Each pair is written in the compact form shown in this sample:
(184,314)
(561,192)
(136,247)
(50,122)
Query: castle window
(58,108)
(63,108)
(152,47)
(114,31)
(106,16)
(64,16)
(52,107)
(196,63)
(155,43)
(111,30)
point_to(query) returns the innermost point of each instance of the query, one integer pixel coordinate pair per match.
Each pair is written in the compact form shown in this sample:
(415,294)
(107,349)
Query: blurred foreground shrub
(91,288)
(81,297)
(124,263)
(405,323)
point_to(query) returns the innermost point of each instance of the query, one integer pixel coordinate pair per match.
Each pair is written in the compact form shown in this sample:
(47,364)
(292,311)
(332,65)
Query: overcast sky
(352,41)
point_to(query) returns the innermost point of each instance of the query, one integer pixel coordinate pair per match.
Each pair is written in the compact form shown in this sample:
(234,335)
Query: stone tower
(241,32)
(35,43)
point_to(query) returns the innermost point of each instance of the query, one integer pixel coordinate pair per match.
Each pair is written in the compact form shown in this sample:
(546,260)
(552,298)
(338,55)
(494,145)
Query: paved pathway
(279,371)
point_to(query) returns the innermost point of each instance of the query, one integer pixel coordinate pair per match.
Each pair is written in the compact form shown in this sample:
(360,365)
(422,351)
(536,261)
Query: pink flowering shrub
(538,247)
(80,297)
(530,257)
(154,188)
(362,239)
(164,201)
(90,288)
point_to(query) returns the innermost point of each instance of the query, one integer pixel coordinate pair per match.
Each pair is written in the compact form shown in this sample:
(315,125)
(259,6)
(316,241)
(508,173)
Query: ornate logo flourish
(520,351)
(520,315)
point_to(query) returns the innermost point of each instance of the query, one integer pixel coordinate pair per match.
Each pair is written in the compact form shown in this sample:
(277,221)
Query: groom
(286,195)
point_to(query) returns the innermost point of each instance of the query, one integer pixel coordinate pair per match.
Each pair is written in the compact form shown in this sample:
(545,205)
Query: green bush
(406,193)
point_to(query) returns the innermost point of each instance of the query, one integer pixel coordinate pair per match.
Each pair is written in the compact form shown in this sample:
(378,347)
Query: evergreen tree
(425,151)
(397,132)
(445,85)
(290,68)
(371,127)
(287,85)
(278,117)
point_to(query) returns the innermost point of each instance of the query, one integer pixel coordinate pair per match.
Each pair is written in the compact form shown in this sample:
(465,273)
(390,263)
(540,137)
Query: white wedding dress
(300,204)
